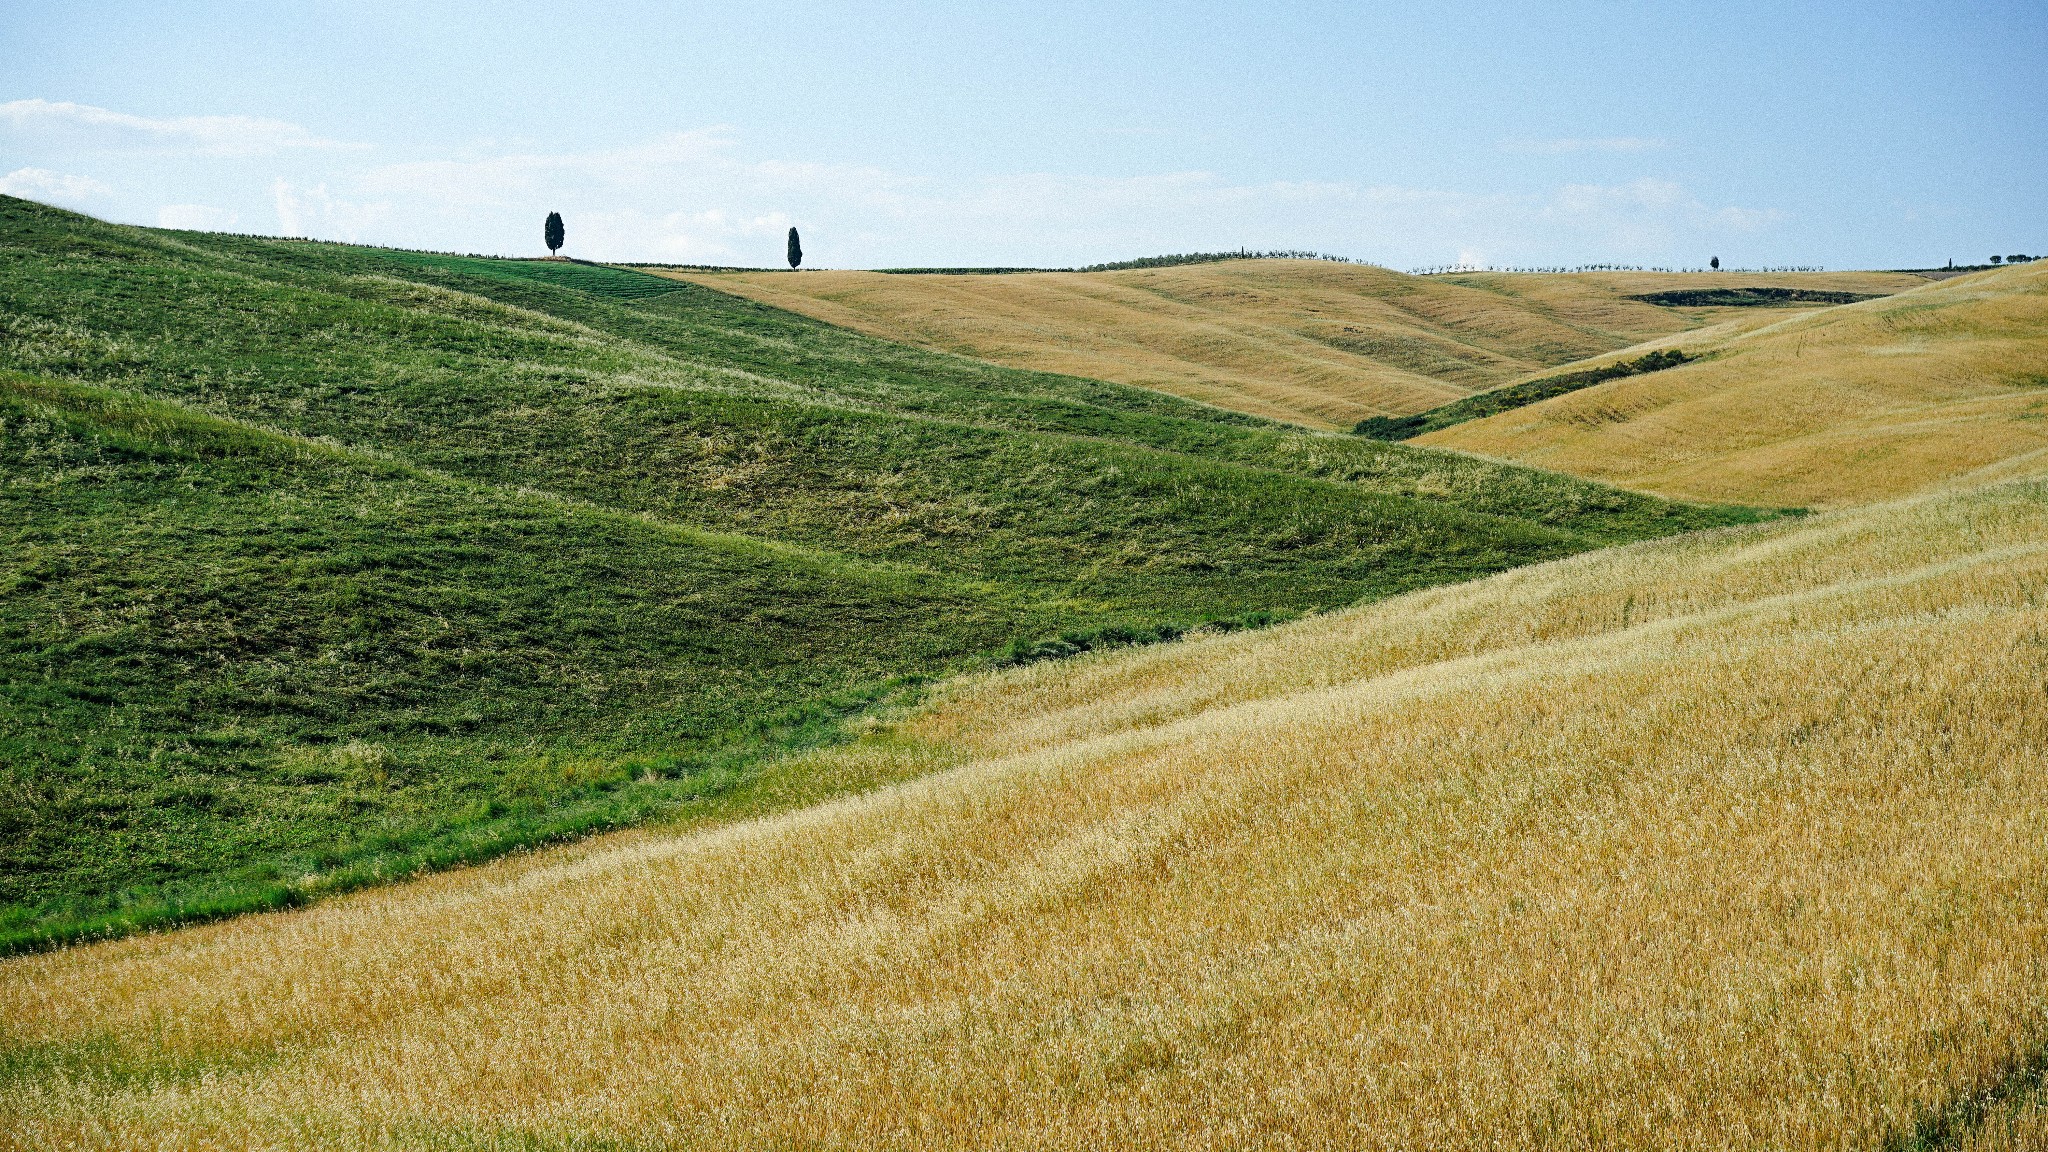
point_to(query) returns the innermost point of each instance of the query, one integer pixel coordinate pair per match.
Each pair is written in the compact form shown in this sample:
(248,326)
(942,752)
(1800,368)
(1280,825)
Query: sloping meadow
(1731,841)
(328,564)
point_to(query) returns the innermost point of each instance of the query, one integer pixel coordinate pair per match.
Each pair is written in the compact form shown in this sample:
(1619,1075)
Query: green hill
(326,563)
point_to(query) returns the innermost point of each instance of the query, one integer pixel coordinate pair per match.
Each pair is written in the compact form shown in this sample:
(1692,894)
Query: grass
(598,279)
(1943,385)
(1735,840)
(1765,297)
(326,564)
(245,670)
(1513,396)
(1314,342)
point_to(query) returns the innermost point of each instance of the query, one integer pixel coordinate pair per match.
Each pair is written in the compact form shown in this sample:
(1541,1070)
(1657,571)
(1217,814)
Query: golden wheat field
(1736,840)
(1315,342)
(1947,383)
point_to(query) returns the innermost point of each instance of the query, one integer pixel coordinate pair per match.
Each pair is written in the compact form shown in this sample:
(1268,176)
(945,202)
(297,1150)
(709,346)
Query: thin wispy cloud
(705,196)
(204,135)
(697,197)
(197,218)
(314,212)
(1570,144)
(52,187)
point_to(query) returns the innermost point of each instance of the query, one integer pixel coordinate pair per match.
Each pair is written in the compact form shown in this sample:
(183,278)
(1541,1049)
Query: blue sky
(1864,134)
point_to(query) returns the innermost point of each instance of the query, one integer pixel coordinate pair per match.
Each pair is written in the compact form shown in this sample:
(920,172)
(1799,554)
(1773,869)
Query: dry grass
(2018,1125)
(1729,841)
(1314,342)
(1945,385)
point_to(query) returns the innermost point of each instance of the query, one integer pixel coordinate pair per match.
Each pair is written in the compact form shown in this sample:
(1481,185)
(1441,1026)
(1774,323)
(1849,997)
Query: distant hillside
(327,563)
(1311,341)
(1483,404)
(1749,297)
(1843,406)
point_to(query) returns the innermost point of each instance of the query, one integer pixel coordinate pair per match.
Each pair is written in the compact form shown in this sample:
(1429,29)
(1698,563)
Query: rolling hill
(1947,383)
(326,564)
(1313,342)
(1736,840)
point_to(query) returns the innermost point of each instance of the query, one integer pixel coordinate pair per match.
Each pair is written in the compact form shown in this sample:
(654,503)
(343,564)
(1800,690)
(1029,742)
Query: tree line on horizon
(553,234)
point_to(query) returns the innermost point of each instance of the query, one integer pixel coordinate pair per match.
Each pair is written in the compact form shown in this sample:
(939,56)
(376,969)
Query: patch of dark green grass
(322,565)
(1750,297)
(1513,396)
(598,279)
(1951,1124)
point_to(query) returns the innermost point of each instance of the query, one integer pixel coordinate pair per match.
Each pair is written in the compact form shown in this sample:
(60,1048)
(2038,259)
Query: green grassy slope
(328,562)
(222,646)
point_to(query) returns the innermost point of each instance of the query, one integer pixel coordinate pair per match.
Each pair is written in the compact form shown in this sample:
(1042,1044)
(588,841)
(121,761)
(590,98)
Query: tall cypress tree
(553,232)
(796,249)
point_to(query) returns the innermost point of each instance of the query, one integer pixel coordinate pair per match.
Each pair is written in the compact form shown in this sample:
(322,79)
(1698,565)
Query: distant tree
(1715,263)
(553,232)
(796,249)
(1996,259)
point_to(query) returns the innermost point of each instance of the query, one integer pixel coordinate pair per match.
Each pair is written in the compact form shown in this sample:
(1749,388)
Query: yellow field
(1728,841)
(1314,342)
(1945,384)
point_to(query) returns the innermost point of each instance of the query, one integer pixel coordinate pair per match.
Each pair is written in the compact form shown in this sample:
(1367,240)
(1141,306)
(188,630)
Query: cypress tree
(1716,262)
(796,249)
(553,232)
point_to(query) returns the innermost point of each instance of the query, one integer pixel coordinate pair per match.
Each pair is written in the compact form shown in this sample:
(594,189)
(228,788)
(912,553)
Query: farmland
(1535,813)
(1311,342)
(1734,840)
(1947,383)
(327,565)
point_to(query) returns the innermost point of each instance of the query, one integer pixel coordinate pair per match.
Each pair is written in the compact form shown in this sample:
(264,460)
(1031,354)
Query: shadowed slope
(1732,841)
(1851,404)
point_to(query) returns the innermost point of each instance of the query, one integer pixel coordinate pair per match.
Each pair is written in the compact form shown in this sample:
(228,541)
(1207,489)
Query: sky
(1869,134)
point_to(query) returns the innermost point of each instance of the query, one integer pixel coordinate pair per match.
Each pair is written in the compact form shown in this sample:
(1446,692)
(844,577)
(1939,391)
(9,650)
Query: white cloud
(51,187)
(205,135)
(1583,144)
(314,212)
(696,198)
(195,218)
(701,197)
(1648,215)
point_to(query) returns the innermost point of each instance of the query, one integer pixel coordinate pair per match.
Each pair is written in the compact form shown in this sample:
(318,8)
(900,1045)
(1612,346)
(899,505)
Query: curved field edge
(150,544)
(1310,342)
(1734,840)
(325,564)
(1943,385)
